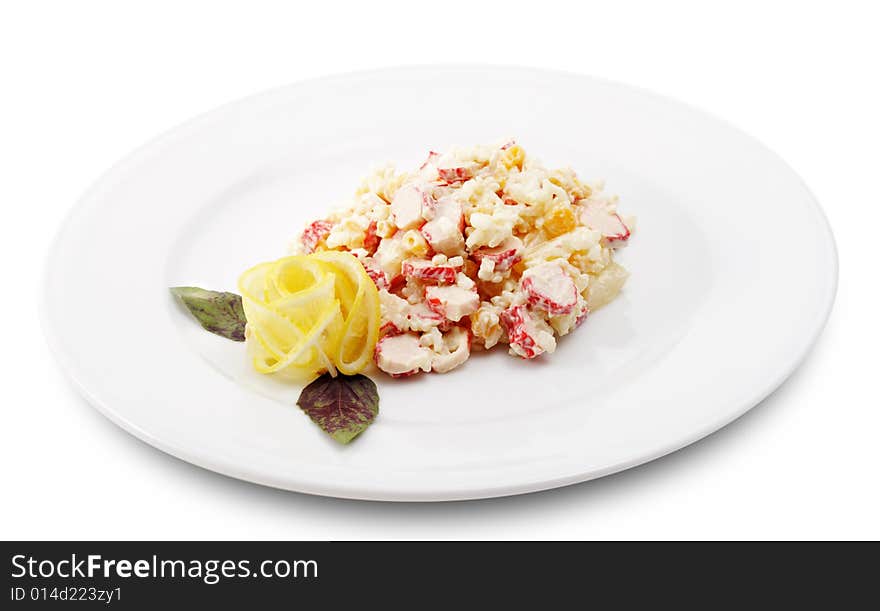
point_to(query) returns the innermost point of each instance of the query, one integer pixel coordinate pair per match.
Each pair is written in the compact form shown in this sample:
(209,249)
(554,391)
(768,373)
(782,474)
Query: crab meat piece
(583,314)
(444,230)
(421,317)
(390,255)
(452,210)
(379,278)
(389,328)
(457,345)
(525,338)
(429,272)
(599,217)
(433,156)
(452,302)
(402,355)
(566,323)
(454,174)
(313,234)
(504,256)
(394,311)
(446,207)
(408,204)
(371,239)
(549,288)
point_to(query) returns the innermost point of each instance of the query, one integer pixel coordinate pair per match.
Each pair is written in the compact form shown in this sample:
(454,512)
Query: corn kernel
(513,157)
(559,220)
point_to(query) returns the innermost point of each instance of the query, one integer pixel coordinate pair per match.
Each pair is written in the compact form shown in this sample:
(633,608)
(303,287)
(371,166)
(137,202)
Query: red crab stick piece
(402,355)
(408,204)
(549,288)
(389,328)
(371,239)
(521,332)
(505,255)
(450,208)
(453,174)
(380,278)
(421,318)
(599,218)
(583,314)
(426,271)
(444,231)
(433,156)
(446,207)
(452,302)
(313,234)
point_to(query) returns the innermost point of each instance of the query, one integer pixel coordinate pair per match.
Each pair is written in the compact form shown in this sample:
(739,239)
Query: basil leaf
(343,406)
(219,313)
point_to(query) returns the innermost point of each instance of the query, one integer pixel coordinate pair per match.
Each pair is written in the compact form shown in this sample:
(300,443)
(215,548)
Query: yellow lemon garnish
(359,304)
(310,313)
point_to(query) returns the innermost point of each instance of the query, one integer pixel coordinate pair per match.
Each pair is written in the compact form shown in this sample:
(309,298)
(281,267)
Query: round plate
(733,269)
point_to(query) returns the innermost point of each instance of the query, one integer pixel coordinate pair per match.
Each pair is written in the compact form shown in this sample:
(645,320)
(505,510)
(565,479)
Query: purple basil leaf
(220,313)
(343,406)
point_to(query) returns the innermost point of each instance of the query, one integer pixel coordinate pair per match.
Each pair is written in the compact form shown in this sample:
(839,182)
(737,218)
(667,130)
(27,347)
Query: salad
(476,248)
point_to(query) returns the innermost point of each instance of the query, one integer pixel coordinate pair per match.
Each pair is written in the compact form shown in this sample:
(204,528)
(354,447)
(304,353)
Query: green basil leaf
(343,406)
(219,313)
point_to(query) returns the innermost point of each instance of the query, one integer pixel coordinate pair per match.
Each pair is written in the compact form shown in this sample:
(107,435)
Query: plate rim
(342,491)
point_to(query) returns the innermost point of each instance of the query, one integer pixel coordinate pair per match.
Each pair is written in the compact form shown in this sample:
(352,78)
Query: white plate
(733,275)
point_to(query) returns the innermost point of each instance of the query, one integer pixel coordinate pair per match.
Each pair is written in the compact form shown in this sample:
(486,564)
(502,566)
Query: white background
(82,83)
